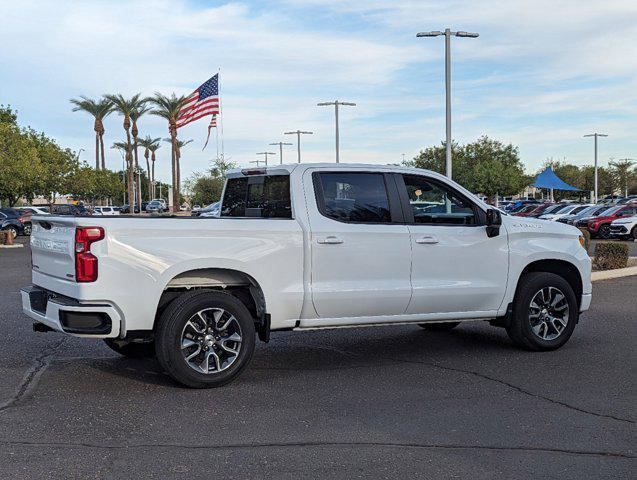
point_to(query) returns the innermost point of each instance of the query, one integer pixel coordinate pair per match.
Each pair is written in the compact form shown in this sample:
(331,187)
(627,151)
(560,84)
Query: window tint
(354,197)
(266,196)
(434,203)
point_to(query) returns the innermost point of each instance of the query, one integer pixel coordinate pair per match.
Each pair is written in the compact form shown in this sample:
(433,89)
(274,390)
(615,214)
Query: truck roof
(290,167)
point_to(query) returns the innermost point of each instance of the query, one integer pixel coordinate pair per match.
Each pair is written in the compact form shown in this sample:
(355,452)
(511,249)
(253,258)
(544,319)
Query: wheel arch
(234,282)
(565,269)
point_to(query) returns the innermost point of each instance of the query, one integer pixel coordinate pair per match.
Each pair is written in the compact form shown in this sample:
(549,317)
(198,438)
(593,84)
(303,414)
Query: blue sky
(541,75)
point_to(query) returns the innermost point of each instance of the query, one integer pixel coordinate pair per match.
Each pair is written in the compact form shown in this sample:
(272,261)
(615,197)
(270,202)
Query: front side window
(266,196)
(434,203)
(353,197)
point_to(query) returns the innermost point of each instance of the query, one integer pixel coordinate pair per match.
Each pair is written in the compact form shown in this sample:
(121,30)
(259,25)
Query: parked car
(37,210)
(69,209)
(211,211)
(154,207)
(540,209)
(207,210)
(589,212)
(519,204)
(625,227)
(325,246)
(164,205)
(15,222)
(628,199)
(573,209)
(125,209)
(105,210)
(600,225)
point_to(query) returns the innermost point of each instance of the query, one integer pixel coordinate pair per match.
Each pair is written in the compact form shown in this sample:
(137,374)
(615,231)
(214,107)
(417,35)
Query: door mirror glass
(494,220)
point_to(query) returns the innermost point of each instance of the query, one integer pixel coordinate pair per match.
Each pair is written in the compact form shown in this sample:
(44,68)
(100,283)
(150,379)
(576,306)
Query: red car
(600,226)
(535,210)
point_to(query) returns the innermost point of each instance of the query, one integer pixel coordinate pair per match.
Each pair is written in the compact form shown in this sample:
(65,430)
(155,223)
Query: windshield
(566,209)
(610,211)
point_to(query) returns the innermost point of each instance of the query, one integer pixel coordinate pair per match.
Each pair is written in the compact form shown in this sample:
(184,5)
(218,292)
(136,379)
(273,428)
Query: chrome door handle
(427,240)
(330,240)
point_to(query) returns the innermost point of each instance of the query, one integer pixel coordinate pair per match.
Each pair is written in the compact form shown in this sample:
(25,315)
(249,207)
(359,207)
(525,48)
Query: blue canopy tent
(548,179)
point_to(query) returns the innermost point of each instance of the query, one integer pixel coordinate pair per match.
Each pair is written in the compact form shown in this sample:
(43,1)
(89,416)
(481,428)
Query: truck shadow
(292,353)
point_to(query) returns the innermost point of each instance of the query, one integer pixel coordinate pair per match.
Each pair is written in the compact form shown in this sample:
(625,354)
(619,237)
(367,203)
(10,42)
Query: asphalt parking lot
(391,402)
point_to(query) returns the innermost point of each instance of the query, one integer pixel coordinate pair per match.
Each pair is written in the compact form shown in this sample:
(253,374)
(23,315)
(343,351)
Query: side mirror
(494,220)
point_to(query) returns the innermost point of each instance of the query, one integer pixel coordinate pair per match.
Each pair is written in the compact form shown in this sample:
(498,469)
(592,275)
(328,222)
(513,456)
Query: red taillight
(85,261)
(23,219)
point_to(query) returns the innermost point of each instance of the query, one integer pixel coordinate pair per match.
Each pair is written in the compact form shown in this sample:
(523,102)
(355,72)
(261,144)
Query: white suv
(624,227)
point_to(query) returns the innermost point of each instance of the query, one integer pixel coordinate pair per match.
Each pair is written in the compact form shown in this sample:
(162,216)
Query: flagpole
(217,139)
(221,115)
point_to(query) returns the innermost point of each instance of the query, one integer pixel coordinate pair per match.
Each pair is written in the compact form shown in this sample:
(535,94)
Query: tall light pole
(336,103)
(298,134)
(448,34)
(595,135)
(280,144)
(266,156)
(258,162)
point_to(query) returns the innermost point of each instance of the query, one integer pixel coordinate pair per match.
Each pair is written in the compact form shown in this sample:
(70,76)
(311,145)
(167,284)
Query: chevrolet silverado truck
(303,247)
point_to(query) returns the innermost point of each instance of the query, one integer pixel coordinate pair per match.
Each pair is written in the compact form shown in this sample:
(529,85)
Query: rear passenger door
(360,249)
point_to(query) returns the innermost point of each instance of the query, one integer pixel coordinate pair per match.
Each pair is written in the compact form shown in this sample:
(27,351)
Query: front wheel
(545,312)
(634,233)
(27,229)
(604,232)
(12,231)
(205,339)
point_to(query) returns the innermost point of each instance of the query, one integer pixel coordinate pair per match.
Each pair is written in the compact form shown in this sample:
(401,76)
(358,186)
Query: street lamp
(595,135)
(298,134)
(280,144)
(448,34)
(266,156)
(336,103)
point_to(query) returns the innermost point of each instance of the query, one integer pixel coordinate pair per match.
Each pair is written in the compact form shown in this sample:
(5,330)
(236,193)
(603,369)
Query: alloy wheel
(548,313)
(211,340)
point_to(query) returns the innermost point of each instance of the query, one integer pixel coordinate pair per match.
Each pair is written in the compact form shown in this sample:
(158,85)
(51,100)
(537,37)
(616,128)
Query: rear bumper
(69,316)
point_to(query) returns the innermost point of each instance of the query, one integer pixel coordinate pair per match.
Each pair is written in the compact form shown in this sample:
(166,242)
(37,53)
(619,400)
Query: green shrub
(610,255)
(587,239)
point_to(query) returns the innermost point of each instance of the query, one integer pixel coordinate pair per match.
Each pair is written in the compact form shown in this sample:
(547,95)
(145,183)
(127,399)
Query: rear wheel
(439,327)
(634,233)
(130,348)
(27,229)
(545,312)
(205,339)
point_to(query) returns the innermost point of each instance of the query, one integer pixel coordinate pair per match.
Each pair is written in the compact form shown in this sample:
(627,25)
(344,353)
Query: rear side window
(353,197)
(265,196)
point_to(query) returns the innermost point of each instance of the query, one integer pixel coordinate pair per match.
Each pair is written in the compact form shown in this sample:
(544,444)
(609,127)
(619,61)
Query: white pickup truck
(301,247)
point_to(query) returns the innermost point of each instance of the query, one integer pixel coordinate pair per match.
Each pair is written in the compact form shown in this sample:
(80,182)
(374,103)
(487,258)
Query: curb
(15,245)
(618,273)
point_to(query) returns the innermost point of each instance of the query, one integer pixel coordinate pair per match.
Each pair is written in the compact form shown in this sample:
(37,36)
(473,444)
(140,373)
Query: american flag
(213,124)
(203,101)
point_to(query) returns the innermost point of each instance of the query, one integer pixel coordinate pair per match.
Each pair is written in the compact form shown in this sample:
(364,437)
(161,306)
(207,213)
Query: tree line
(32,164)
(490,167)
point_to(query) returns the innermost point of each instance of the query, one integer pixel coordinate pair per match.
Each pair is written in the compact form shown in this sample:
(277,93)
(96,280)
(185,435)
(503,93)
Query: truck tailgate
(52,246)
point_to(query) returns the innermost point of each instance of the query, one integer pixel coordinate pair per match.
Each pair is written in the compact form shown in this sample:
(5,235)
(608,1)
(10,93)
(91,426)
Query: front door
(456,267)
(360,253)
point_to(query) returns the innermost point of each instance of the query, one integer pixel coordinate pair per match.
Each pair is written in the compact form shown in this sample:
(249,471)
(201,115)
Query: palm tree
(153,148)
(141,109)
(148,143)
(168,108)
(127,108)
(100,109)
(121,147)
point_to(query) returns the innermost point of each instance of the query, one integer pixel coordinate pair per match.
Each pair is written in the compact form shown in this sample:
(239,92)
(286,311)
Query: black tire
(604,231)
(520,329)
(439,327)
(27,229)
(12,230)
(634,233)
(131,349)
(169,336)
